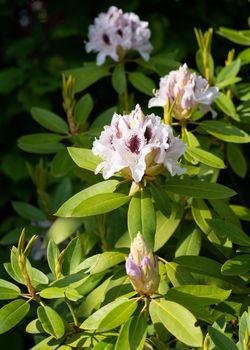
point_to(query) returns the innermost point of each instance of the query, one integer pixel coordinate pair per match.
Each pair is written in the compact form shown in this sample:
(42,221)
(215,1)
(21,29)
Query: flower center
(105,38)
(134,144)
(148,134)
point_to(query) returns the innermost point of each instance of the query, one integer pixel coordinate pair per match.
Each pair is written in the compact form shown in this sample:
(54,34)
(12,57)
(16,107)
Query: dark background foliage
(40,39)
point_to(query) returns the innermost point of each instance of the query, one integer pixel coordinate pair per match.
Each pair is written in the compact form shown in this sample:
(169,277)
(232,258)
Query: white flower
(115,33)
(187,91)
(135,144)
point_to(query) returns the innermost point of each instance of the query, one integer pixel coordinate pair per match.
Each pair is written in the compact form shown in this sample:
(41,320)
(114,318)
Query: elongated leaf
(225,104)
(51,321)
(229,230)
(62,163)
(66,210)
(190,242)
(62,228)
(241,37)
(205,157)
(49,343)
(52,255)
(220,340)
(28,211)
(110,316)
(225,132)
(244,329)
(237,265)
(166,226)
(87,75)
(11,314)
(141,217)
(34,327)
(119,79)
(103,119)
(229,71)
(41,143)
(198,189)
(72,256)
(141,82)
(84,158)
(178,321)
(236,159)
(133,334)
(83,108)
(106,344)
(178,275)
(49,120)
(8,290)
(56,292)
(242,212)
(100,204)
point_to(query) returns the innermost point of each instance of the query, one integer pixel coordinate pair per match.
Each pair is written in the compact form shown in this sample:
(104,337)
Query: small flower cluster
(114,33)
(142,267)
(138,146)
(188,91)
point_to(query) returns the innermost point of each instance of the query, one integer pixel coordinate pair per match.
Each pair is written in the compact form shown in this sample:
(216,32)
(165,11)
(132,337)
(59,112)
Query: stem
(22,266)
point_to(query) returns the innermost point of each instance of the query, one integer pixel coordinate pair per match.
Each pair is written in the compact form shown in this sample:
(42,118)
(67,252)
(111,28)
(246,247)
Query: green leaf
(244,56)
(83,109)
(225,131)
(230,231)
(57,292)
(177,320)
(220,340)
(200,63)
(119,79)
(178,275)
(100,204)
(190,242)
(87,75)
(236,159)
(49,343)
(226,105)
(198,189)
(133,334)
(101,262)
(236,266)
(141,217)
(110,316)
(243,213)
(244,329)
(241,37)
(63,228)
(101,120)
(28,211)
(51,322)
(167,225)
(10,78)
(205,157)
(34,327)
(11,314)
(106,344)
(229,81)
(41,143)
(66,210)
(49,120)
(62,163)
(72,256)
(8,290)
(224,211)
(141,82)
(84,158)
(229,71)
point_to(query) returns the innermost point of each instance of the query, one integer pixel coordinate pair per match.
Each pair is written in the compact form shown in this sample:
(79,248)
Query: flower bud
(142,267)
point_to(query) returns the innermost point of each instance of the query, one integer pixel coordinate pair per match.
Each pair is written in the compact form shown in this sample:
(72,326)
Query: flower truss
(138,146)
(114,33)
(187,91)
(142,267)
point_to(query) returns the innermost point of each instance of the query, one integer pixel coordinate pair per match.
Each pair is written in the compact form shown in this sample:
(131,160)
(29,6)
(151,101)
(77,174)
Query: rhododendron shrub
(142,246)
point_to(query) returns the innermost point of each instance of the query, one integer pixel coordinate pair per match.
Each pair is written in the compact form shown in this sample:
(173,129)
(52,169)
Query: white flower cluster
(187,91)
(138,145)
(114,33)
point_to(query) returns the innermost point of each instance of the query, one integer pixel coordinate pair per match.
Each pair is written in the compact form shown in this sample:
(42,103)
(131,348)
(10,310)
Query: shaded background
(40,39)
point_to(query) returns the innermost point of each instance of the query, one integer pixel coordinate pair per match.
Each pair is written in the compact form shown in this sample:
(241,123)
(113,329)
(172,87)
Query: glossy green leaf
(67,209)
(241,37)
(101,120)
(41,143)
(83,108)
(49,343)
(141,217)
(29,211)
(101,262)
(141,82)
(56,292)
(178,275)
(230,231)
(49,120)
(52,255)
(222,208)
(133,334)
(100,204)
(244,329)
(220,340)
(11,314)
(236,159)
(119,79)
(51,321)
(242,212)
(230,81)
(229,71)
(236,266)
(167,225)
(110,316)
(205,157)
(8,290)
(189,243)
(34,327)
(226,105)
(106,344)
(244,56)
(87,75)
(198,189)
(225,131)
(63,228)
(72,256)
(84,158)
(178,320)
(62,163)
